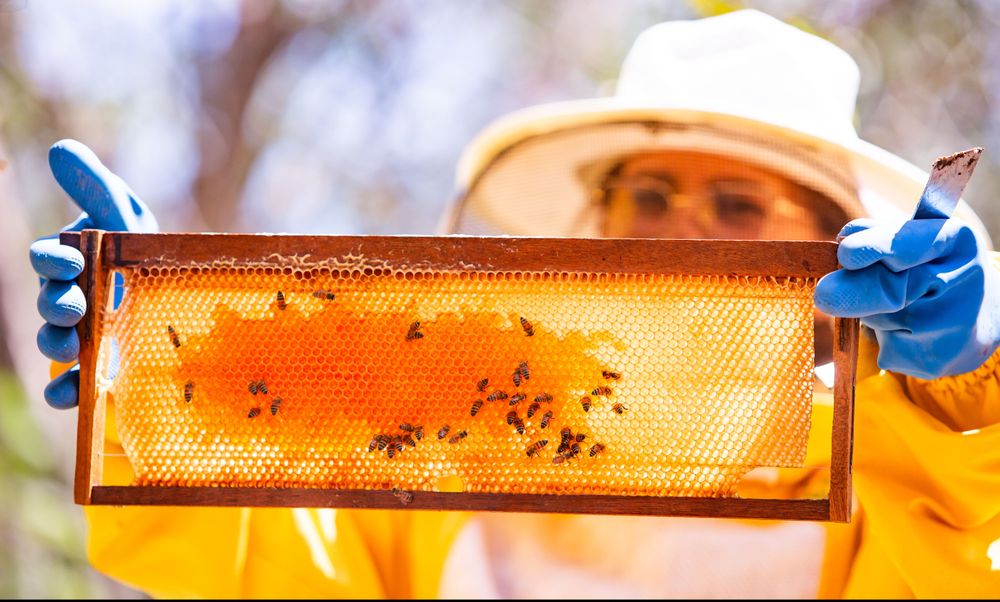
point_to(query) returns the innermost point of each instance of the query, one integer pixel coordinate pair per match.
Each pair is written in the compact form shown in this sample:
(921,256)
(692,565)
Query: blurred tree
(227,82)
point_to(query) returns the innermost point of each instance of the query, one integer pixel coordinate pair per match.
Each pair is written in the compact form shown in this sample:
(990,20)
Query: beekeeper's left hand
(927,288)
(108,204)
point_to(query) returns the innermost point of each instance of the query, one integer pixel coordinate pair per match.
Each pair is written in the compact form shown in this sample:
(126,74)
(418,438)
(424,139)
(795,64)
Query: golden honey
(713,377)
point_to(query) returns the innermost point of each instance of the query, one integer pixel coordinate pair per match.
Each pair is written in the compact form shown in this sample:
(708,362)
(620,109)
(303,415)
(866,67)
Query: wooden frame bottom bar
(798,509)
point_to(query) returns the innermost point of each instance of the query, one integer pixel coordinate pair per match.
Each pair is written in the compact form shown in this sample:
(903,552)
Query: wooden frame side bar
(90,421)
(842,446)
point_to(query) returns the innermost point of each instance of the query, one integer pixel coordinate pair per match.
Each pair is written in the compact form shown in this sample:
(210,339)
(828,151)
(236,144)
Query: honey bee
(566,433)
(324,294)
(511,416)
(481,385)
(619,408)
(281,300)
(409,441)
(535,447)
(396,443)
(173,336)
(546,418)
(563,446)
(407,427)
(274,406)
(543,398)
(391,452)
(610,375)
(519,426)
(522,373)
(585,402)
(568,451)
(522,369)
(596,449)
(418,432)
(498,394)
(580,437)
(532,409)
(262,387)
(404,497)
(413,332)
(254,412)
(602,390)
(379,441)
(188,391)
(476,406)
(574,450)
(458,437)
(528,328)
(443,431)
(516,399)
(252,387)
(559,459)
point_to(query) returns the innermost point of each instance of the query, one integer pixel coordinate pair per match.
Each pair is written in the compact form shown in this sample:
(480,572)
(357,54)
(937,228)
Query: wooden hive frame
(105,252)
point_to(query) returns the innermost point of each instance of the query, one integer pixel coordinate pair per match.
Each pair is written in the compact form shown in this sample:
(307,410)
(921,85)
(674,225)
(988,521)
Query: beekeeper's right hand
(108,204)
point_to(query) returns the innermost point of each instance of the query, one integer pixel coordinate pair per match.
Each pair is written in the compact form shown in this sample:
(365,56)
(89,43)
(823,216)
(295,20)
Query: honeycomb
(414,379)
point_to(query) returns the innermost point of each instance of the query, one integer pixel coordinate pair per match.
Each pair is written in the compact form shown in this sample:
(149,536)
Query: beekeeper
(736,126)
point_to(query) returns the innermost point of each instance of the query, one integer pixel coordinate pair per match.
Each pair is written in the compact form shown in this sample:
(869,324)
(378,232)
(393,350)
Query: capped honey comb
(714,378)
(404,369)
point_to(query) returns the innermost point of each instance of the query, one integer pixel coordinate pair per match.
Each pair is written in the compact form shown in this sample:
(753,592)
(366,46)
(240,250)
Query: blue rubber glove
(108,204)
(926,288)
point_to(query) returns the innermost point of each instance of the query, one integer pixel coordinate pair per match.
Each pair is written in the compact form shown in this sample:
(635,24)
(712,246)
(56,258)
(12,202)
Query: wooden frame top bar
(795,259)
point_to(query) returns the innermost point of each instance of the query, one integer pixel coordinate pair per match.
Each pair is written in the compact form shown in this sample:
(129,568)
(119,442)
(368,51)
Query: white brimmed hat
(743,84)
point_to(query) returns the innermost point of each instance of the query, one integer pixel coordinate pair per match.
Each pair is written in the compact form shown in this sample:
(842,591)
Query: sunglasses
(727,207)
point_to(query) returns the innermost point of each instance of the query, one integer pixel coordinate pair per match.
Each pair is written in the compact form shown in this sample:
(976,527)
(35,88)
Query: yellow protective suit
(926,524)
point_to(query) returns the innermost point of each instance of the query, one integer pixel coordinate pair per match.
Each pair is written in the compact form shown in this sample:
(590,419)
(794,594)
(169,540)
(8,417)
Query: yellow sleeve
(929,493)
(200,552)
(964,402)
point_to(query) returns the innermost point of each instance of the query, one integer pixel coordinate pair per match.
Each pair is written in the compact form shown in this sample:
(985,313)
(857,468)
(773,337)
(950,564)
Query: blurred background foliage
(347,117)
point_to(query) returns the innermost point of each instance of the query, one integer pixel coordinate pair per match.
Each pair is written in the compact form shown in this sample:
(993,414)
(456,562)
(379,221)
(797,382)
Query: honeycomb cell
(380,377)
